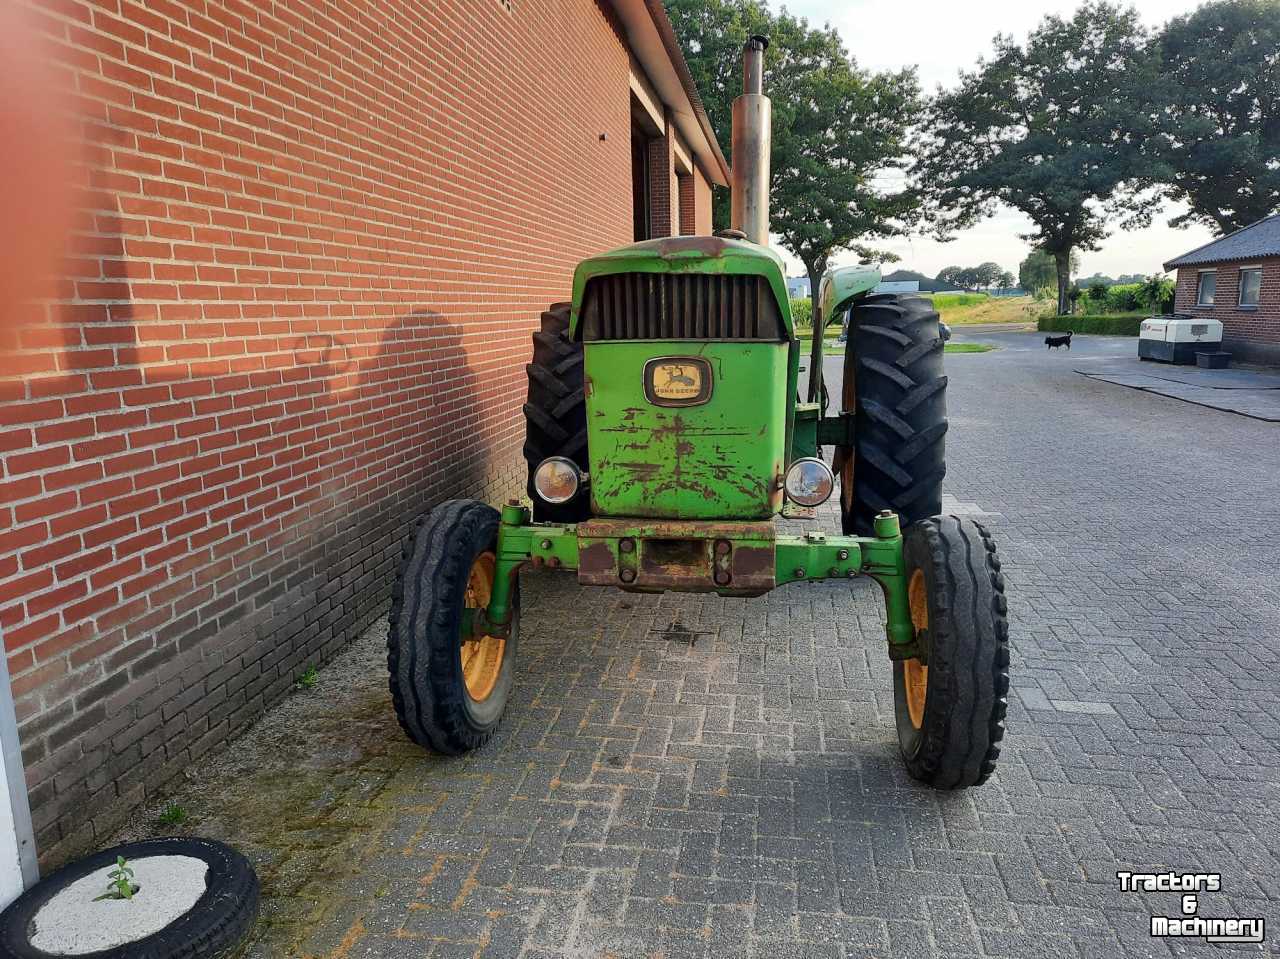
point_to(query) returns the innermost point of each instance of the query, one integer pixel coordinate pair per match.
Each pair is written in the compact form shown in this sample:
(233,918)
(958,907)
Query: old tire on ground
(449,691)
(893,382)
(214,926)
(950,708)
(556,412)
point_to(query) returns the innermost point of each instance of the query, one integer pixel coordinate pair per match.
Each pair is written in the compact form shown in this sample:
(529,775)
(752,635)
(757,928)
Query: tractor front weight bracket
(810,557)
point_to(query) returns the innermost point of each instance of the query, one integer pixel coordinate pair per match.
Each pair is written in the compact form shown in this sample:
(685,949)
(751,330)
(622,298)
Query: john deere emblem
(677,381)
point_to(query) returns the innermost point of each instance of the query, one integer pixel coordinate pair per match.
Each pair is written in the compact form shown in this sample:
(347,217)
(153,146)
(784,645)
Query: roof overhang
(653,43)
(1263,242)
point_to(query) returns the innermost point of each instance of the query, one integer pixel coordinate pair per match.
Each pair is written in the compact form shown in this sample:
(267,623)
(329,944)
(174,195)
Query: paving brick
(741,794)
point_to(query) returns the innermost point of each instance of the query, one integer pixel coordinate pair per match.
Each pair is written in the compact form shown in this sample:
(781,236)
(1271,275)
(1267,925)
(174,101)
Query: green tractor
(665,436)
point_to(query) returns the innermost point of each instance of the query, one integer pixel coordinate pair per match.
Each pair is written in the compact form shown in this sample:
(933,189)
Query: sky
(941,37)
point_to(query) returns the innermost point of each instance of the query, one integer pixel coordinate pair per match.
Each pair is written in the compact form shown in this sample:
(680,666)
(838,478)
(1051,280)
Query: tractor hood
(686,254)
(690,364)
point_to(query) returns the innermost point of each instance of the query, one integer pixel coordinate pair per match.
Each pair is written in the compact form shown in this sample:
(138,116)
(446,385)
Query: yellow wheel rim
(915,674)
(481,655)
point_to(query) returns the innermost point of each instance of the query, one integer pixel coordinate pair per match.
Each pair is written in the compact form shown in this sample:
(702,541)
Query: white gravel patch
(72,924)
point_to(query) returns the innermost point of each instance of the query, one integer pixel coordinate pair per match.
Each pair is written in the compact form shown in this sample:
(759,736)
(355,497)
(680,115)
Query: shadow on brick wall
(397,430)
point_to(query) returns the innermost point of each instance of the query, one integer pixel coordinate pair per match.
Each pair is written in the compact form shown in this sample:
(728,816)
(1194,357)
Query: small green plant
(173,815)
(310,676)
(802,312)
(120,884)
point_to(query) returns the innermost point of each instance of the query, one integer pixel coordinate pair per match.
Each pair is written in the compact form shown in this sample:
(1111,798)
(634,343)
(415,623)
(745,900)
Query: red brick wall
(664,196)
(688,209)
(1256,333)
(701,204)
(313,241)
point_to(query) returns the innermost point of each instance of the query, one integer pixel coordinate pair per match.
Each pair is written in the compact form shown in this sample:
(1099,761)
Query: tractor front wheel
(950,701)
(449,689)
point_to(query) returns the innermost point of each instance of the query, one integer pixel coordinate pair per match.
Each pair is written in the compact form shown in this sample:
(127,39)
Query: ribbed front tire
(950,702)
(445,698)
(893,381)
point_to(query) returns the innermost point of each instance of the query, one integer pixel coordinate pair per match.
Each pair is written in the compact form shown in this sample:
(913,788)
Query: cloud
(941,39)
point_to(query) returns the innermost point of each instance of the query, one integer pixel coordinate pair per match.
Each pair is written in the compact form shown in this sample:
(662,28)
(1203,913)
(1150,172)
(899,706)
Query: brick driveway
(694,776)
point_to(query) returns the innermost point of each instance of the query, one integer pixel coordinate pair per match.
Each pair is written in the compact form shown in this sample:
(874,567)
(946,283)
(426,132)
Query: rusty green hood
(691,364)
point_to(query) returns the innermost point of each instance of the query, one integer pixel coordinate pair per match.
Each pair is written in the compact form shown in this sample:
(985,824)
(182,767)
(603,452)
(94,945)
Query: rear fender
(842,285)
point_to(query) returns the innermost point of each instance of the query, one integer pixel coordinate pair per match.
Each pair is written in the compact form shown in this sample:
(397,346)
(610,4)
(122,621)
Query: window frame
(1200,275)
(1240,302)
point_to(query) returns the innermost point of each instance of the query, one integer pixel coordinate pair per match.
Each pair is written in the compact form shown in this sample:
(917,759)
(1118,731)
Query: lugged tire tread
(894,362)
(556,411)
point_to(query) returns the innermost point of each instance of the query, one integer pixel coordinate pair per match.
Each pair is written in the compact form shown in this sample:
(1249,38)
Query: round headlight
(557,479)
(809,482)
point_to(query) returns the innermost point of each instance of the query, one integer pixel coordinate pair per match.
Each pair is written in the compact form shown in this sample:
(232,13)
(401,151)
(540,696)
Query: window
(641,204)
(1205,287)
(1250,285)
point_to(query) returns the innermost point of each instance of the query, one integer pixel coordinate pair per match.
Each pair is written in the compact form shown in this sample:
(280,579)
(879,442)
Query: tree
(986,274)
(1052,129)
(711,35)
(836,128)
(1005,281)
(1156,293)
(1036,271)
(971,277)
(1222,146)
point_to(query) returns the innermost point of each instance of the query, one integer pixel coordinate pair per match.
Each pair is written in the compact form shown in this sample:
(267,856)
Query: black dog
(1053,342)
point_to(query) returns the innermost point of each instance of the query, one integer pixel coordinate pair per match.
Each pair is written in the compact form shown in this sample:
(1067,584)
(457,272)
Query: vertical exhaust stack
(752,141)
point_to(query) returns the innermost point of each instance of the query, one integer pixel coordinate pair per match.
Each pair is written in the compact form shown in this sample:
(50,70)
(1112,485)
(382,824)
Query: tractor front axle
(728,558)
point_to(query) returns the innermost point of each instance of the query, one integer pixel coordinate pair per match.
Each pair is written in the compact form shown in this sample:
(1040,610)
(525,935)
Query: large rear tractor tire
(894,384)
(950,702)
(556,413)
(449,690)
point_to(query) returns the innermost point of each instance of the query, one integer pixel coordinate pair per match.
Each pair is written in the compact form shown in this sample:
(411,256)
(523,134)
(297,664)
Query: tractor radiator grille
(680,306)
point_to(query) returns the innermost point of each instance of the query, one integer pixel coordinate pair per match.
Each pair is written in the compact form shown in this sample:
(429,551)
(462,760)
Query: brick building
(312,241)
(1236,280)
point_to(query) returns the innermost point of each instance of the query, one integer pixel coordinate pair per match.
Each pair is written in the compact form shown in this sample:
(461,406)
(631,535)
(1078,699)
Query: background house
(897,286)
(1236,280)
(296,307)
(924,284)
(798,287)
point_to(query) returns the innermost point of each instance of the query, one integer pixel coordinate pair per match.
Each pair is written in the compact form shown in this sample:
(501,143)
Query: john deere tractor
(666,436)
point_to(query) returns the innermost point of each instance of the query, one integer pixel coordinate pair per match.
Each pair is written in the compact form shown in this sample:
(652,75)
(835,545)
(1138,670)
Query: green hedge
(1108,325)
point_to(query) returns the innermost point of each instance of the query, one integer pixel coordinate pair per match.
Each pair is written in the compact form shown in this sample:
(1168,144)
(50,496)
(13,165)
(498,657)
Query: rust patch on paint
(679,555)
(751,563)
(595,561)
(712,246)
